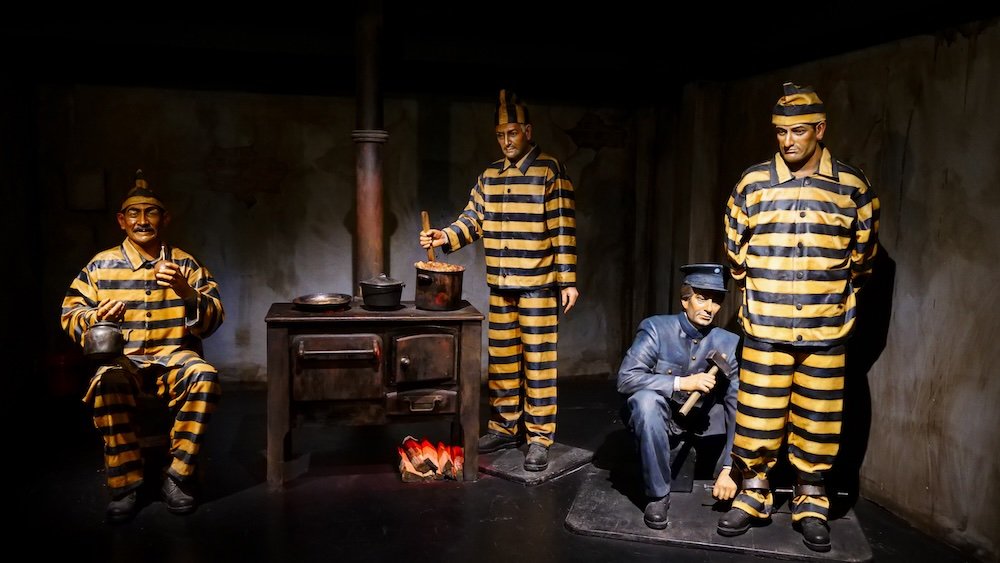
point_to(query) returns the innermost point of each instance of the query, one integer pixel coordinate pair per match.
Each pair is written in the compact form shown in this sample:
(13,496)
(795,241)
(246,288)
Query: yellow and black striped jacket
(157,322)
(525,214)
(800,248)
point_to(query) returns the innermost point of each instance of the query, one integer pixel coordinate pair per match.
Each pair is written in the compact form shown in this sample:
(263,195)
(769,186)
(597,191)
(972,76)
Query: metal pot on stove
(439,286)
(382,292)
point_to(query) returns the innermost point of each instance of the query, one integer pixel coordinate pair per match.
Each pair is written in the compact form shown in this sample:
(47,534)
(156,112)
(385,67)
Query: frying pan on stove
(322,301)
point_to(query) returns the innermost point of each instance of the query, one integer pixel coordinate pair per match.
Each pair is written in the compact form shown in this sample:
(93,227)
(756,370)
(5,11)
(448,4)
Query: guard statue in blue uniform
(668,361)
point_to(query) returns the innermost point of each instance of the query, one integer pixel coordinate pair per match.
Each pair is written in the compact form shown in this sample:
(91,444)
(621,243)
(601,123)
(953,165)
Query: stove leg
(278,396)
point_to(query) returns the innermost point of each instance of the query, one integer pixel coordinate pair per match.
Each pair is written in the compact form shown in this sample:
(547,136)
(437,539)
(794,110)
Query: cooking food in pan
(439,266)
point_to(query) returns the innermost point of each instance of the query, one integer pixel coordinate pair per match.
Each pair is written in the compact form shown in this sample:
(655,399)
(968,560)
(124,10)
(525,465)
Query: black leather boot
(490,442)
(123,508)
(735,522)
(655,515)
(537,458)
(815,533)
(178,498)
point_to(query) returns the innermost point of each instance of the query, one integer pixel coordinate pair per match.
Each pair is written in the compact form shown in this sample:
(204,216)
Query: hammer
(717,361)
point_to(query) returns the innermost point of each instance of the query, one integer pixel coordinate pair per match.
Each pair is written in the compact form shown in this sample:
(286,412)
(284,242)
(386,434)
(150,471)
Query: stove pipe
(369,137)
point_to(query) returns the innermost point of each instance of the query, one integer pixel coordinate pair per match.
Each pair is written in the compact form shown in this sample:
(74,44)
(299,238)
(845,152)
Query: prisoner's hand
(432,237)
(171,275)
(702,382)
(569,297)
(725,487)
(111,310)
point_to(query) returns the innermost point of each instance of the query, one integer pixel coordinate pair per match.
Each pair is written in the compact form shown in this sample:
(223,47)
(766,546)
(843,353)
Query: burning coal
(420,460)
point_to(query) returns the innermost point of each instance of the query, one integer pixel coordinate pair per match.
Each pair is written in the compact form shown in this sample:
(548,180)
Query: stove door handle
(423,404)
(375,353)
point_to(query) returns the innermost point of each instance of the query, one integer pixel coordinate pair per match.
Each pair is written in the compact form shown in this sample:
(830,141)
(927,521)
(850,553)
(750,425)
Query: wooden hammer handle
(695,395)
(425,222)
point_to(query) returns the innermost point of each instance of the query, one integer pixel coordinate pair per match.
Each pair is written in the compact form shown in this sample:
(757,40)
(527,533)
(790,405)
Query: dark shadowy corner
(863,350)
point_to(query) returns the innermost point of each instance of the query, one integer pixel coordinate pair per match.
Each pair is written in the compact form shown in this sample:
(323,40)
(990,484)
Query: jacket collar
(827,167)
(690,330)
(135,258)
(524,163)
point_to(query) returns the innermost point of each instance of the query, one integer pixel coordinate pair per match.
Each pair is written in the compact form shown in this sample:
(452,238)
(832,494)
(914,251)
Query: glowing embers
(420,461)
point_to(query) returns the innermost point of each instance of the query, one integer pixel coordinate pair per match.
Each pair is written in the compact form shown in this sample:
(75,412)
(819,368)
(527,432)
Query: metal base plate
(602,510)
(509,464)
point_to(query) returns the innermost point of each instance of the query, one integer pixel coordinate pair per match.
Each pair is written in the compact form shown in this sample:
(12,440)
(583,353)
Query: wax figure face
(798,143)
(142,223)
(514,139)
(702,305)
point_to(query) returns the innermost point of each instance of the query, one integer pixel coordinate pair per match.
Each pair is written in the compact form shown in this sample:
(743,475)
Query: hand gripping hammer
(717,361)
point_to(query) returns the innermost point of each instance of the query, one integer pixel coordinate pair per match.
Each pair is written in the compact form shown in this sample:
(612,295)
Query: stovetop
(358,311)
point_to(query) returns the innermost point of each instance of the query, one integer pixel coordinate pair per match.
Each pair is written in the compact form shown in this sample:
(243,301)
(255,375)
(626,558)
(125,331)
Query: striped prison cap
(800,104)
(510,109)
(141,193)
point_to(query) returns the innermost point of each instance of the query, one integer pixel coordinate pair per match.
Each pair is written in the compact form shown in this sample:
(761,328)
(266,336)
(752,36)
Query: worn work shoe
(815,533)
(537,458)
(490,442)
(734,523)
(655,515)
(122,509)
(178,500)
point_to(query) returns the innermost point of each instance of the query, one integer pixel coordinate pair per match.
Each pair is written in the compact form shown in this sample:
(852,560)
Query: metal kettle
(103,341)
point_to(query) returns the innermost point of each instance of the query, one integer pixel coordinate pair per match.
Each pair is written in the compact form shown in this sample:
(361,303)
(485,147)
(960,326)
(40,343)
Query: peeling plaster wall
(262,191)
(919,117)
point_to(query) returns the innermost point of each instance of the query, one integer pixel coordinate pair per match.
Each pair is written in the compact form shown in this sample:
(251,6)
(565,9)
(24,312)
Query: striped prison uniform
(162,356)
(524,212)
(799,249)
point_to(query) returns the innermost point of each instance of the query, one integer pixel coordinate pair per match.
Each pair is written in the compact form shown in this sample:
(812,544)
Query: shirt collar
(524,163)
(827,167)
(133,256)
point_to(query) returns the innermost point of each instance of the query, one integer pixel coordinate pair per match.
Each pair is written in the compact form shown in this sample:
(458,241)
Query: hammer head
(715,358)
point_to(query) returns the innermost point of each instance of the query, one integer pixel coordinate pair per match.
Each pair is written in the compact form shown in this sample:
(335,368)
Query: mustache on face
(143,230)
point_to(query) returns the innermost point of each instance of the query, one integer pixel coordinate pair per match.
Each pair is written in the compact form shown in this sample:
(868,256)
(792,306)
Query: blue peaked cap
(706,276)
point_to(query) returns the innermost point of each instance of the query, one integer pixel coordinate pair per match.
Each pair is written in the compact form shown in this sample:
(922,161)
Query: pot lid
(382,280)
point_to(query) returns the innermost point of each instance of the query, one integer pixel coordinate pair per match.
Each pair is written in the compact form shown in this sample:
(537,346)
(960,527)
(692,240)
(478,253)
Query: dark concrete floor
(350,504)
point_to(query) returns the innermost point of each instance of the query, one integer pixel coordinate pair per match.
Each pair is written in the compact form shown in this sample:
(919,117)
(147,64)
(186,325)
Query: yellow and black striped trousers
(191,386)
(793,392)
(523,334)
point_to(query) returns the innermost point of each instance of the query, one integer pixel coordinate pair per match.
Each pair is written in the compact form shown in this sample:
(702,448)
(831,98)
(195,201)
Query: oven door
(427,356)
(336,366)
